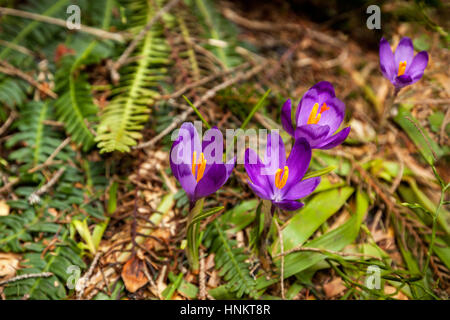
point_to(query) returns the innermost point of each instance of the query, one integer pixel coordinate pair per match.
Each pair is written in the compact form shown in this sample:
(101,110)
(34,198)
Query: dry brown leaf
(152,244)
(4,208)
(390,290)
(334,287)
(133,275)
(9,263)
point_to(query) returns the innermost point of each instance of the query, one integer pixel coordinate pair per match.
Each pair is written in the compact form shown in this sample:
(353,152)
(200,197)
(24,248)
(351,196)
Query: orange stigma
(281,177)
(401,68)
(199,166)
(315,114)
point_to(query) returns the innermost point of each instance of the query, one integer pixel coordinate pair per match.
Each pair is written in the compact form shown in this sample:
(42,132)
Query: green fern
(123,118)
(216,27)
(75,106)
(12,91)
(230,260)
(37,139)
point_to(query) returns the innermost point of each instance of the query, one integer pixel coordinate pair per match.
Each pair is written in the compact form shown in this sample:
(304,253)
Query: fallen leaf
(4,208)
(333,287)
(133,275)
(9,263)
(152,244)
(390,290)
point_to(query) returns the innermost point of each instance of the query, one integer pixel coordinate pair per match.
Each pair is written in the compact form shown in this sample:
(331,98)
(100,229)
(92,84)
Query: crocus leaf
(97,234)
(112,201)
(427,147)
(241,215)
(303,225)
(319,173)
(334,240)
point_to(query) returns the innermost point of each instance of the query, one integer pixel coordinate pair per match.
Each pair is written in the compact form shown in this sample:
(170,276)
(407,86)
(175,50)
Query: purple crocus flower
(319,114)
(278,179)
(402,68)
(198,166)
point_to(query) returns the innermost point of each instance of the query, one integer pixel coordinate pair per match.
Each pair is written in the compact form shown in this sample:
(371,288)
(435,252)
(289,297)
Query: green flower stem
(193,236)
(267,211)
(435,219)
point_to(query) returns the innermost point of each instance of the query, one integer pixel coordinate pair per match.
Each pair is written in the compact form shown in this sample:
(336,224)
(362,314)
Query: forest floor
(375,209)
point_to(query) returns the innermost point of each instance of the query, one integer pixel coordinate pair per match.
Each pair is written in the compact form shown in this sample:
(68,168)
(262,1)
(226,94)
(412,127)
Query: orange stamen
(281,179)
(315,114)
(401,68)
(200,166)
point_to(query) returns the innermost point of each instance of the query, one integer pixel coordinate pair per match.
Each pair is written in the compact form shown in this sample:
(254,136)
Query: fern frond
(38,140)
(12,91)
(230,260)
(75,106)
(123,118)
(216,27)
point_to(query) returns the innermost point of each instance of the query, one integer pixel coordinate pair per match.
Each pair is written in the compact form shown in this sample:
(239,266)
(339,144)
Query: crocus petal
(313,133)
(402,81)
(275,156)
(334,116)
(325,91)
(212,146)
(404,52)
(289,205)
(286,119)
(302,189)
(298,162)
(261,191)
(336,139)
(417,67)
(186,143)
(183,172)
(255,170)
(387,63)
(319,93)
(212,180)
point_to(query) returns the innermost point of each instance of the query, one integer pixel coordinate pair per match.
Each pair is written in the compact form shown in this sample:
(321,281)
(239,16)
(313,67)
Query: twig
(280,237)
(7,186)
(152,283)
(325,251)
(202,278)
(205,80)
(8,122)
(208,95)
(18,48)
(26,276)
(13,71)
(269,27)
(35,196)
(83,281)
(62,23)
(116,66)
(51,157)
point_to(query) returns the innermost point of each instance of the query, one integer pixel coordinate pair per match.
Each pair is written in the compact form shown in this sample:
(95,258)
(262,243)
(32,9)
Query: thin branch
(202,278)
(8,122)
(51,157)
(13,71)
(83,281)
(62,23)
(35,196)
(208,95)
(26,276)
